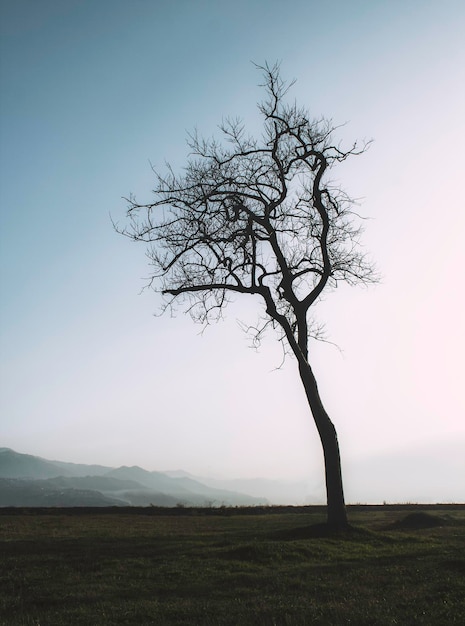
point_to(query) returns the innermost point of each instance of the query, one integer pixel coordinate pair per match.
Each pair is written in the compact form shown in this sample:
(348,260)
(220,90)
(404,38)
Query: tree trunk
(336,510)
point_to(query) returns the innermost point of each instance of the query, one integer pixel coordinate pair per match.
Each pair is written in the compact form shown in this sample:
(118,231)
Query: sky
(93,93)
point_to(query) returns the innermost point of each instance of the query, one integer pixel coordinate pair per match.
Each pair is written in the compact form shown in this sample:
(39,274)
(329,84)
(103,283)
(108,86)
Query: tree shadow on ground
(320,531)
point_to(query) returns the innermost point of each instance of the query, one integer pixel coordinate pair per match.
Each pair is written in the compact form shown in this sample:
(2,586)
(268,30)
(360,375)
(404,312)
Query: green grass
(194,567)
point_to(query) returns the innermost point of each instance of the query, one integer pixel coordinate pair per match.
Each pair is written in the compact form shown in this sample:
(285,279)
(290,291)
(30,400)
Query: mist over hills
(427,474)
(275,491)
(27,480)
(30,493)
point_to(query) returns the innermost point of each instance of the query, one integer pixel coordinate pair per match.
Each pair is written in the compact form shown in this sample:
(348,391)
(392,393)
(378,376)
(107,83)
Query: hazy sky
(92,92)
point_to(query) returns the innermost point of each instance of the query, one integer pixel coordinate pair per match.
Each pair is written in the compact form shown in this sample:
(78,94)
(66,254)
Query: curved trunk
(336,510)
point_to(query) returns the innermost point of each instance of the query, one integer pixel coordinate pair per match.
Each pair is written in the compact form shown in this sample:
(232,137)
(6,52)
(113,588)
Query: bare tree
(260,216)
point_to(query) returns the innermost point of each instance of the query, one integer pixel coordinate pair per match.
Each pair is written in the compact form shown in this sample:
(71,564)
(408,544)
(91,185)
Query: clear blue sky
(91,93)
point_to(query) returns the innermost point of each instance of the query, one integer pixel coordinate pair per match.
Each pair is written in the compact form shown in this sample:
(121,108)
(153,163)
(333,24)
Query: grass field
(237,567)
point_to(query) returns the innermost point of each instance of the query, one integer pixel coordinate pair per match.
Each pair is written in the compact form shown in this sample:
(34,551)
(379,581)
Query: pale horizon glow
(91,94)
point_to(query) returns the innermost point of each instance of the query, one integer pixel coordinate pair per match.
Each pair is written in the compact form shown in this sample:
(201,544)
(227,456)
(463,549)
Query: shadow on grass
(421,520)
(319,531)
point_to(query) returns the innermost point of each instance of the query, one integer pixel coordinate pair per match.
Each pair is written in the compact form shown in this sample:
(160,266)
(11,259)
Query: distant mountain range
(27,480)
(425,474)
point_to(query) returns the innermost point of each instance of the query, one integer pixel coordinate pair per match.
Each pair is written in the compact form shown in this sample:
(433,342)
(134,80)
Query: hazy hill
(21,492)
(187,489)
(99,483)
(274,491)
(150,480)
(78,469)
(26,480)
(15,465)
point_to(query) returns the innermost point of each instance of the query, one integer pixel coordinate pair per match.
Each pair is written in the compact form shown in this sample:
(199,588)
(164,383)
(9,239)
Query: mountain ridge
(28,480)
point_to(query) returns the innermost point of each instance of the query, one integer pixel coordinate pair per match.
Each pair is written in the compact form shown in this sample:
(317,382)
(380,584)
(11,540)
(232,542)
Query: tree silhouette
(260,216)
